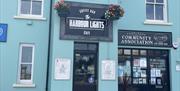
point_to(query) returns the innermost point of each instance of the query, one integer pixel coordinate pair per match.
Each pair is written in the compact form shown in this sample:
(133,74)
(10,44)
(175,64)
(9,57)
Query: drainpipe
(49,47)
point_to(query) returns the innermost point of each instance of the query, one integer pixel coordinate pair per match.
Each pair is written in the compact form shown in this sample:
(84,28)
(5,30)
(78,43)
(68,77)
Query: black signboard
(144,38)
(86,22)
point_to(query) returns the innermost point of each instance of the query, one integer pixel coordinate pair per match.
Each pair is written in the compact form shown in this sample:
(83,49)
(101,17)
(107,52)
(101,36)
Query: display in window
(143,52)
(153,72)
(127,68)
(136,62)
(120,71)
(143,73)
(153,81)
(144,81)
(158,81)
(127,52)
(143,62)
(140,80)
(135,52)
(158,73)
(136,74)
(135,81)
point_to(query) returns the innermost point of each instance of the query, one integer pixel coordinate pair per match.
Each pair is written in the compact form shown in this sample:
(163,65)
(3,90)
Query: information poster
(108,70)
(143,62)
(62,68)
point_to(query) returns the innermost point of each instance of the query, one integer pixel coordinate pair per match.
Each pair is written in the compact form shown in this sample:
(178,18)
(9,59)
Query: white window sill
(29,18)
(157,23)
(24,85)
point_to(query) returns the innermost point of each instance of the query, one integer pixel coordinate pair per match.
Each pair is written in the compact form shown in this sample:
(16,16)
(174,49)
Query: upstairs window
(31,7)
(26,63)
(156,10)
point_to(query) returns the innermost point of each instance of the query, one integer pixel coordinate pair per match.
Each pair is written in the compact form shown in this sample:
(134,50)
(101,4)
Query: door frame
(96,52)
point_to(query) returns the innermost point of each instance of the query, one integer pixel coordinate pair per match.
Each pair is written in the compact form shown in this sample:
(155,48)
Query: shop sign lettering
(86,22)
(144,38)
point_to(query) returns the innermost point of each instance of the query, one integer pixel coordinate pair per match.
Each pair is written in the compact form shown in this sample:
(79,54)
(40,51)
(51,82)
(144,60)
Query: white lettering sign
(84,24)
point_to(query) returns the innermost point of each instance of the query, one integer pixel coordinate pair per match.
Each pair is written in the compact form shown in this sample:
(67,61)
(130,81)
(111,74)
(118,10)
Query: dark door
(85,67)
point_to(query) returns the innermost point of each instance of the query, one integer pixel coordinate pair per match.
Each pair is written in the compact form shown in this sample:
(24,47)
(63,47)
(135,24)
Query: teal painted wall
(19,31)
(133,20)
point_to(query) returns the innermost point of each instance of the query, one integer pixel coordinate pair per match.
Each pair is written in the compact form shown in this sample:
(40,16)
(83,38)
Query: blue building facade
(82,50)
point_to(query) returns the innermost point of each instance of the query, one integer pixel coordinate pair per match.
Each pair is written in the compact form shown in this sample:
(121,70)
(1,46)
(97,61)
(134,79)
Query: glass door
(85,67)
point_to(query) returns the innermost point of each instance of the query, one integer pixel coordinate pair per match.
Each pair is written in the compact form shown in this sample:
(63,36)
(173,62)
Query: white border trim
(24,85)
(165,10)
(153,22)
(19,65)
(26,16)
(30,18)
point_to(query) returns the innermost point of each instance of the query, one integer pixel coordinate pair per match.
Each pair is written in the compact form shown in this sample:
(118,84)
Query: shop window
(156,10)
(143,70)
(30,7)
(26,63)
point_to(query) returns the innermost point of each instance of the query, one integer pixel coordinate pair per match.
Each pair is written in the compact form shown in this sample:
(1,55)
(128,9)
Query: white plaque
(62,69)
(108,70)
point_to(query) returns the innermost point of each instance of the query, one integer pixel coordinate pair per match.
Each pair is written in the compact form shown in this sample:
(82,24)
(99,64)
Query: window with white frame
(31,7)
(156,10)
(26,63)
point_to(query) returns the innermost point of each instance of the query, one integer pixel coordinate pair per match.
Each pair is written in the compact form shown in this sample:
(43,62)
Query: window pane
(26,71)
(127,52)
(25,6)
(120,51)
(36,7)
(143,52)
(150,11)
(124,72)
(135,52)
(26,55)
(150,0)
(159,12)
(160,1)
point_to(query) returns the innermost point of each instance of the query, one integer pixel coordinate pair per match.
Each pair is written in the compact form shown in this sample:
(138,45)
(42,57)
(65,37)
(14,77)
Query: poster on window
(136,62)
(143,62)
(62,69)
(108,70)
(153,72)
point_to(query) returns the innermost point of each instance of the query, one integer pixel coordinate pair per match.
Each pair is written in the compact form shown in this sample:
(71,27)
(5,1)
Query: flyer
(153,72)
(108,70)
(143,73)
(136,62)
(143,62)
(62,69)
(158,73)
(153,81)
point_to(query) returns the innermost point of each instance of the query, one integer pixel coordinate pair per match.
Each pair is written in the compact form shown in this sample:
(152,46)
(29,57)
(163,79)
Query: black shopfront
(143,69)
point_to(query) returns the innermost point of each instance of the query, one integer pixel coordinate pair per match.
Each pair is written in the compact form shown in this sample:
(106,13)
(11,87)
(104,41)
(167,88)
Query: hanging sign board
(3,32)
(86,22)
(144,38)
(108,70)
(62,69)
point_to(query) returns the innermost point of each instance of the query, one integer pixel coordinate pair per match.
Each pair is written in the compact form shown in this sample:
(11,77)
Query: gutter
(49,47)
